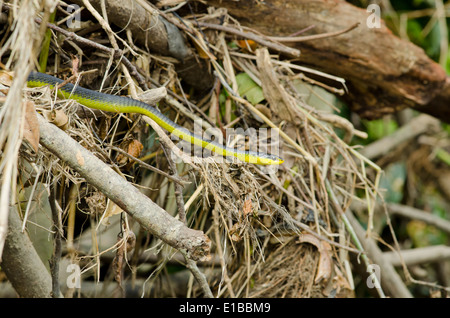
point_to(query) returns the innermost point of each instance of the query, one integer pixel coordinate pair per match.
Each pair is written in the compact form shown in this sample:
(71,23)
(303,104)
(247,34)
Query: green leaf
(443,155)
(379,128)
(393,182)
(447,65)
(249,89)
(43,56)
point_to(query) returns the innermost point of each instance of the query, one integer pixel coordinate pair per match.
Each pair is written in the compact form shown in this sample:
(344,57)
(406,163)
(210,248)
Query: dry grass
(251,217)
(20,46)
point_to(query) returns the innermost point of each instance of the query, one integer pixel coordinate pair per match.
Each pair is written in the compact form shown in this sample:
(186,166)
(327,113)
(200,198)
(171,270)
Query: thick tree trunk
(384,73)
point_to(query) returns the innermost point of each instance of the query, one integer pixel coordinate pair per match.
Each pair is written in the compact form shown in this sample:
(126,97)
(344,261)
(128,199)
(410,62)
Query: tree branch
(416,214)
(151,30)
(390,280)
(118,54)
(417,126)
(21,263)
(130,199)
(417,256)
(383,73)
(57,251)
(252,36)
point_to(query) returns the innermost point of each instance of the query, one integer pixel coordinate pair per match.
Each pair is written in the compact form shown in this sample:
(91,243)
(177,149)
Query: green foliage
(379,128)
(447,64)
(393,181)
(414,29)
(420,233)
(419,30)
(423,235)
(443,155)
(249,89)
(446,127)
(43,56)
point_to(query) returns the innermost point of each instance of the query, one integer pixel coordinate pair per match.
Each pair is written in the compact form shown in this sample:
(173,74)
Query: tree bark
(21,263)
(383,73)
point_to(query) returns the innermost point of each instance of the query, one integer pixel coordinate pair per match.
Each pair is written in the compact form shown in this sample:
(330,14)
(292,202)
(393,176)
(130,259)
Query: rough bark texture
(21,263)
(384,73)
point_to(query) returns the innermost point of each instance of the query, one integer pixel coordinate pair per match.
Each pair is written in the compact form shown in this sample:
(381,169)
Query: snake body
(121,104)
